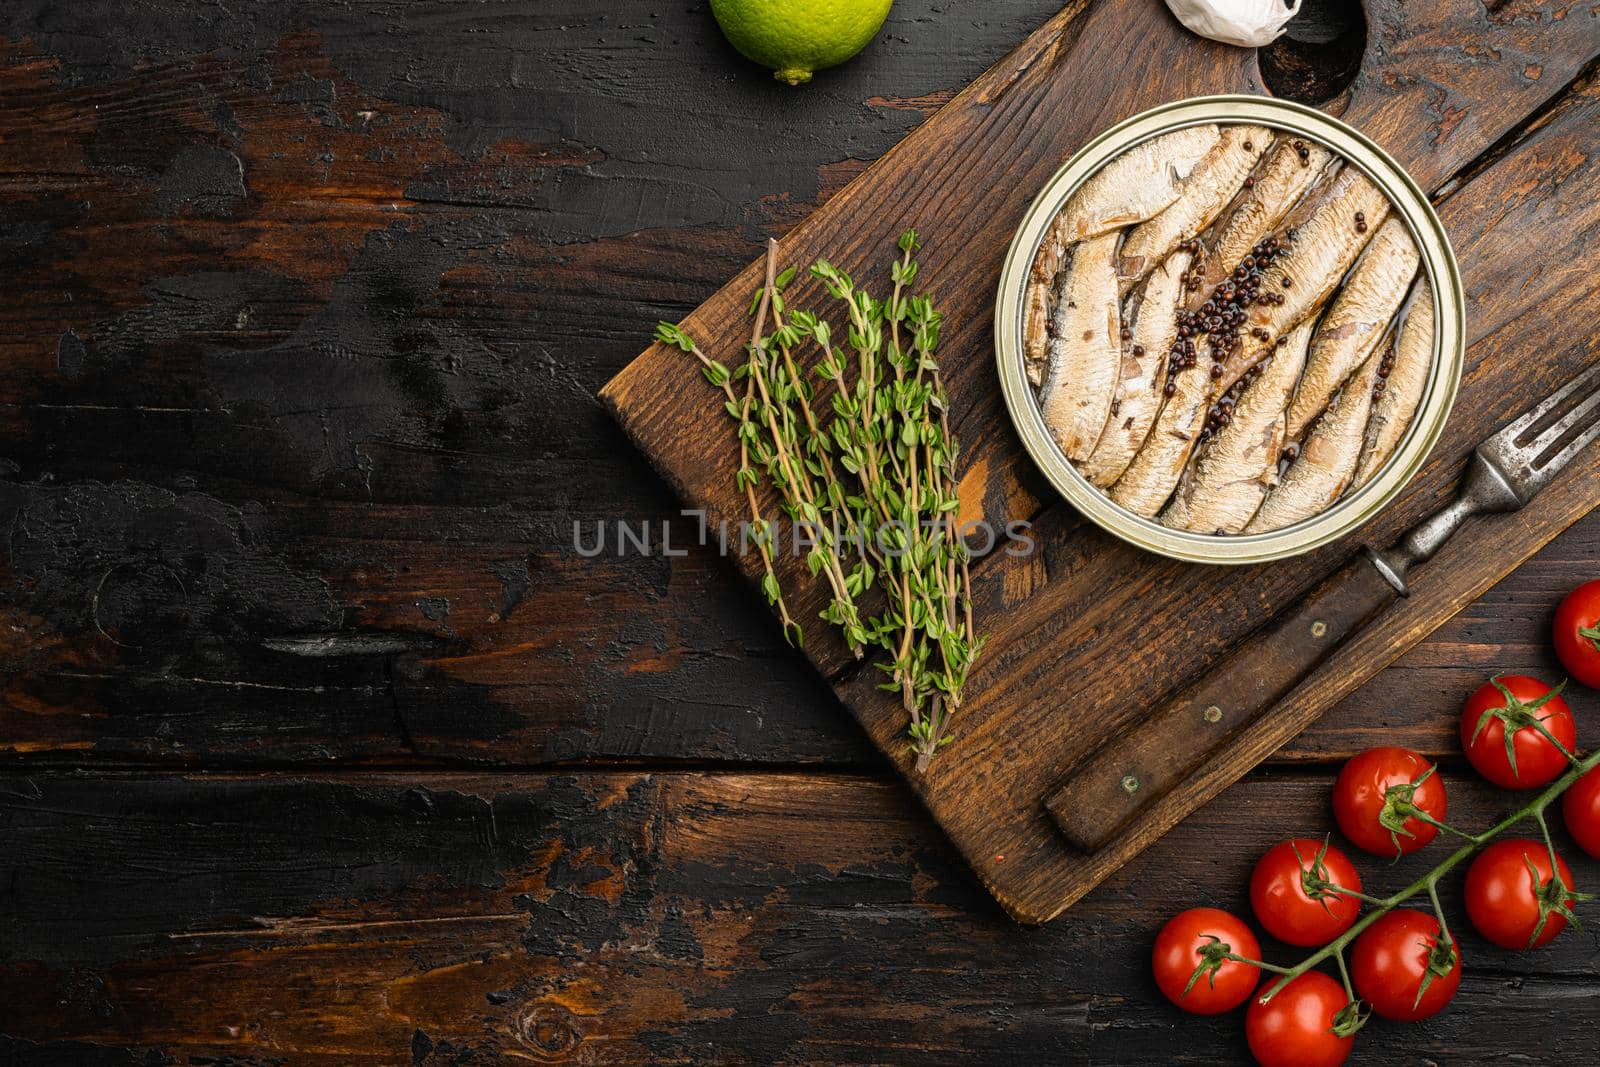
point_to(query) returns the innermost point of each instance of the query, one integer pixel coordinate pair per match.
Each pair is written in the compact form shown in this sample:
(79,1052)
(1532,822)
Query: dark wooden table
(321,743)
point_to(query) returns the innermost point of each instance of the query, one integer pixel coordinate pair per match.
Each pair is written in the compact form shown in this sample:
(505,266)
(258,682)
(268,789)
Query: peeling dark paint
(204,179)
(514,583)
(434,608)
(171,573)
(70,355)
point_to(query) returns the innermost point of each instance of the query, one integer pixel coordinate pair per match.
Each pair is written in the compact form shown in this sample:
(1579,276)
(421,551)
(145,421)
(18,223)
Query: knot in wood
(549,1032)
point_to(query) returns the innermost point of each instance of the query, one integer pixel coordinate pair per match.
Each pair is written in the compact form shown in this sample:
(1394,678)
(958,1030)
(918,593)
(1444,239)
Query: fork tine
(1544,424)
(1588,409)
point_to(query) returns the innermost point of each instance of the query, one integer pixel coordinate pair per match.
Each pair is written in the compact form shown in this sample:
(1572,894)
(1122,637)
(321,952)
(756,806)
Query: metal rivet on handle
(1319,629)
(1213,714)
(1130,784)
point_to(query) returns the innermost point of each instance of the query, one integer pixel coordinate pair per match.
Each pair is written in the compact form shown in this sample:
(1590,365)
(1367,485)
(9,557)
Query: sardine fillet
(1156,468)
(1085,351)
(1326,242)
(1280,182)
(1327,463)
(1137,184)
(1235,471)
(1356,322)
(1208,189)
(1155,327)
(1408,376)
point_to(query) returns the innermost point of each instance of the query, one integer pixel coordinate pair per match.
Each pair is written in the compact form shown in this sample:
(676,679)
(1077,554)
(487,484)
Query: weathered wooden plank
(652,660)
(294,473)
(640,918)
(661,699)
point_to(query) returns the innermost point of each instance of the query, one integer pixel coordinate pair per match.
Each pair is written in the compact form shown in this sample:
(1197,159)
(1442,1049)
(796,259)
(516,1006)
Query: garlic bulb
(1246,23)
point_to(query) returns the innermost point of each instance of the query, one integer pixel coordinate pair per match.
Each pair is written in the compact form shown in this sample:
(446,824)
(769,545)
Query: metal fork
(1505,471)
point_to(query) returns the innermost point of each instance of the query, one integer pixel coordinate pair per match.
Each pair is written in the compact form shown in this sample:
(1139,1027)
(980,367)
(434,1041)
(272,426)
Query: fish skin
(1085,350)
(1235,470)
(1213,183)
(1039,300)
(1160,461)
(1327,463)
(1357,321)
(1137,184)
(1280,183)
(1326,244)
(1155,327)
(1408,377)
(1036,333)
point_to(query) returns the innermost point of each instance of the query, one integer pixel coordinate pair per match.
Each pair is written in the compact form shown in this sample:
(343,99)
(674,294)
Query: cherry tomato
(1403,968)
(1278,892)
(1503,901)
(1295,1027)
(1196,938)
(1577,633)
(1529,709)
(1581,807)
(1370,786)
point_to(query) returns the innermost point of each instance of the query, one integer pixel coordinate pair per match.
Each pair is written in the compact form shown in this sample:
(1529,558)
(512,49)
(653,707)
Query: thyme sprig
(872,488)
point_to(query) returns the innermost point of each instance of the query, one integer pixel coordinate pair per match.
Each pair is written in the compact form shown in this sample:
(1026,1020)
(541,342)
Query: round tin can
(1351,510)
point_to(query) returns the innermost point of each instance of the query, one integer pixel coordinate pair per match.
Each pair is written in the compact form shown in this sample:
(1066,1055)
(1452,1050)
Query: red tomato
(1581,807)
(1279,892)
(1506,905)
(1196,938)
(1578,633)
(1368,790)
(1295,1027)
(1530,709)
(1403,968)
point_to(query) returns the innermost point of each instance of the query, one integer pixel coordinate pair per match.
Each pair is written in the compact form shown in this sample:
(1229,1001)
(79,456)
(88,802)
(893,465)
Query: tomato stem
(1429,882)
(1263,964)
(1344,976)
(1438,911)
(1414,812)
(1592,633)
(1549,844)
(1334,887)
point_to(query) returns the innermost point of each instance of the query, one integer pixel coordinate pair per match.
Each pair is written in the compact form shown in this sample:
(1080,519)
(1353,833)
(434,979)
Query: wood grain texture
(636,918)
(1089,615)
(287,485)
(1102,797)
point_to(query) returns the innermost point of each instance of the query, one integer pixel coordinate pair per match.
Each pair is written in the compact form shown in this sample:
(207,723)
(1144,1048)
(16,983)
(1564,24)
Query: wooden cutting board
(1087,632)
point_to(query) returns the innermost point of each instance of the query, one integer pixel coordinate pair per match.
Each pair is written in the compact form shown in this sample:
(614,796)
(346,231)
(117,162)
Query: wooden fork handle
(1103,795)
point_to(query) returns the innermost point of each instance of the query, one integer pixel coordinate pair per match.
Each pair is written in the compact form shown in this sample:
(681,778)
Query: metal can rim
(1345,515)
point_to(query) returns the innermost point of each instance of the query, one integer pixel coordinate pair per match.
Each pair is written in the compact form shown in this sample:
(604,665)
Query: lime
(796,37)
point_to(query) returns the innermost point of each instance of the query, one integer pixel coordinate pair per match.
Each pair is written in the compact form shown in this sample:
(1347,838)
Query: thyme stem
(876,484)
